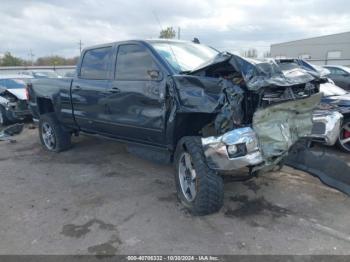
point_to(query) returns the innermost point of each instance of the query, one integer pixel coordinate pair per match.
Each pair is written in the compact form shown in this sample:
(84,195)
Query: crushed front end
(261,112)
(14,104)
(275,129)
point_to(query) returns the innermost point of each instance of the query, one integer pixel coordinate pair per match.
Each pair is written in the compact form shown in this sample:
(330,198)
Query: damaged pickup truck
(13,100)
(210,113)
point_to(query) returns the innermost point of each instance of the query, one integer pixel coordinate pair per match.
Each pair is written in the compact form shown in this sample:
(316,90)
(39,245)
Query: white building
(329,49)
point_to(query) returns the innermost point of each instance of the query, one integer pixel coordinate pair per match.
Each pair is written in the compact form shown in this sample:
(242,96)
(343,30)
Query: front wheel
(200,189)
(344,136)
(52,136)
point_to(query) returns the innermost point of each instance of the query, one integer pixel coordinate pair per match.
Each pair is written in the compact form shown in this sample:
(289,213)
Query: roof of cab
(137,41)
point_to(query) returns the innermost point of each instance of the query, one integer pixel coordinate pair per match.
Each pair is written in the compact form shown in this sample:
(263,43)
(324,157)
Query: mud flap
(331,170)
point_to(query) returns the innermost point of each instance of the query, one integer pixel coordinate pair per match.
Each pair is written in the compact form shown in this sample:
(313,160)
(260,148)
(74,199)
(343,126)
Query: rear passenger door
(137,105)
(91,88)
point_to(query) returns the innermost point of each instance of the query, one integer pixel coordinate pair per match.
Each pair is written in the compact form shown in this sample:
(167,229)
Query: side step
(157,156)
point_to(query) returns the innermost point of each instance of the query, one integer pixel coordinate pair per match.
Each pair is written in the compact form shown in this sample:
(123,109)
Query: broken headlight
(236,150)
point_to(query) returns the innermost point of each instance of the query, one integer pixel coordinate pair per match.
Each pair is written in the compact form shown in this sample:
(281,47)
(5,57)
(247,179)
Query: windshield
(12,83)
(345,68)
(184,56)
(288,66)
(328,89)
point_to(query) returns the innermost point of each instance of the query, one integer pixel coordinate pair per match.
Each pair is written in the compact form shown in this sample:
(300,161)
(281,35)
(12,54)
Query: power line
(31,55)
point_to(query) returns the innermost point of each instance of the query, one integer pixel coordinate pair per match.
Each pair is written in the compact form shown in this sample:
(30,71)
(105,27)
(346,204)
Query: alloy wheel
(187,177)
(344,137)
(48,136)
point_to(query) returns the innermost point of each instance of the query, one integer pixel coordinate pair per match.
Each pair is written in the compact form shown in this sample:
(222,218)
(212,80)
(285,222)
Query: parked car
(41,73)
(340,75)
(69,73)
(334,98)
(209,113)
(13,100)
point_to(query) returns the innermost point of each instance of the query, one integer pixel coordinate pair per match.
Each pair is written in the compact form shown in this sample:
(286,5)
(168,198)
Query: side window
(338,71)
(95,64)
(134,63)
(331,70)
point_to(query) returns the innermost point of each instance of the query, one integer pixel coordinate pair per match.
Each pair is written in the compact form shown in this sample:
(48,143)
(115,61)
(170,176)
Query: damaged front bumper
(17,110)
(326,126)
(234,150)
(275,130)
(239,148)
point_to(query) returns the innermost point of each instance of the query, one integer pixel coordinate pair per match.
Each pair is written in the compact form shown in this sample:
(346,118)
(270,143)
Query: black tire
(4,120)
(344,147)
(209,185)
(62,138)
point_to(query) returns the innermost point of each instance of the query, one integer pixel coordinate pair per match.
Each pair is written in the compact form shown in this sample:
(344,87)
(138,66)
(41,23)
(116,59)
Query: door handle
(77,87)
(114,90)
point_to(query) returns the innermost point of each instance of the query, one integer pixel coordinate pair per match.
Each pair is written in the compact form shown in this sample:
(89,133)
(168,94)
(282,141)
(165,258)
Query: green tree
(10,60)
(55,60)
(168,33)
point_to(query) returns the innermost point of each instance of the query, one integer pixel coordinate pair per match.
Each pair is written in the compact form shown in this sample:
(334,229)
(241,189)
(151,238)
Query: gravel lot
(98,199)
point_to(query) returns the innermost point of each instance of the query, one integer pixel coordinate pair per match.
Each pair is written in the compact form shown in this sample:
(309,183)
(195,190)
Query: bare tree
(267,54)
(251,53)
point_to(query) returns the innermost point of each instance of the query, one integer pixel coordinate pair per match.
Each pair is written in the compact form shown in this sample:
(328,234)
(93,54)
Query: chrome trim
(332,121)
(215,150)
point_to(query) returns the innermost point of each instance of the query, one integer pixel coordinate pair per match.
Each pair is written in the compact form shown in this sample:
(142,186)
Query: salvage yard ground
(98,199)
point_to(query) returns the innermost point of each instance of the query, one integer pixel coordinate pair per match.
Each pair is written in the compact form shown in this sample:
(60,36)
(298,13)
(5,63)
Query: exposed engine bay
(276,107)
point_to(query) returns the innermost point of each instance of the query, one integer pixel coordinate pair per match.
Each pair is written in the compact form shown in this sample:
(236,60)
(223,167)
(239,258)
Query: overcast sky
(56,26)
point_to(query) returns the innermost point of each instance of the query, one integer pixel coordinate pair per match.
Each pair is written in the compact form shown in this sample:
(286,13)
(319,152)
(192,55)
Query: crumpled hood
(20,93)
(261,73)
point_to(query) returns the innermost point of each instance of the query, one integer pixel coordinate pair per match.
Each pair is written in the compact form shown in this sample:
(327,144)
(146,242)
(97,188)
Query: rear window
(96,63)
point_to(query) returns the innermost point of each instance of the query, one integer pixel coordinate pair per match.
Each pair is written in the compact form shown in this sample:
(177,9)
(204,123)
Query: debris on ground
(331,170)
(31,126)
(7,133)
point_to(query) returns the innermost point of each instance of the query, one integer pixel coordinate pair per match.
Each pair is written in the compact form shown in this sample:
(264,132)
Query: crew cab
(210,113)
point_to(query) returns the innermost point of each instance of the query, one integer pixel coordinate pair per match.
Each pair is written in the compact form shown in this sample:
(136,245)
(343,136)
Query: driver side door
(137,100)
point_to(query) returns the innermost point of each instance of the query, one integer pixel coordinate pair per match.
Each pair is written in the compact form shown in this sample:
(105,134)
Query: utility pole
(178,33)
(80,45)
(31,55)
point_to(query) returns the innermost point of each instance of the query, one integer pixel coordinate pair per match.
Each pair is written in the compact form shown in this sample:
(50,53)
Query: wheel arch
(45,105)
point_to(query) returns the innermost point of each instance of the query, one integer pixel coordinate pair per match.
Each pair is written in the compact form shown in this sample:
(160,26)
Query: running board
(331,170)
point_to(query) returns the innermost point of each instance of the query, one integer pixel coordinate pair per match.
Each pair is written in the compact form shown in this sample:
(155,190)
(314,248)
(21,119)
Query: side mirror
(154,74)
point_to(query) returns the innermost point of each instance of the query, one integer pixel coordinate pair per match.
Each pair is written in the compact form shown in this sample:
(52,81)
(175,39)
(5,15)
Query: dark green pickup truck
(210,113)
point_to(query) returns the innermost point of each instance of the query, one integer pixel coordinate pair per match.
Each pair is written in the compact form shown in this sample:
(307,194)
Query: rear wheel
(344,136)
(200,189)
(52,136)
